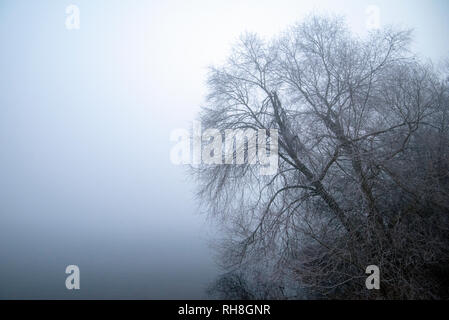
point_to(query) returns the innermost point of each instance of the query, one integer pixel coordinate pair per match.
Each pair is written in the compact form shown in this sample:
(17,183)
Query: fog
(85,120)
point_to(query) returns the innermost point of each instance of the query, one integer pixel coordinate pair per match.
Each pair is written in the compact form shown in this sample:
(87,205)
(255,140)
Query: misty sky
(85,120)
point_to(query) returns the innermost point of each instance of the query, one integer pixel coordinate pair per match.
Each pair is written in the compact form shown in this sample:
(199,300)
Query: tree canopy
(362,179)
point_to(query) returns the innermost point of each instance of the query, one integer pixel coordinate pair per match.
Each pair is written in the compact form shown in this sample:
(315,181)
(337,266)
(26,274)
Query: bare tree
(363,162)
